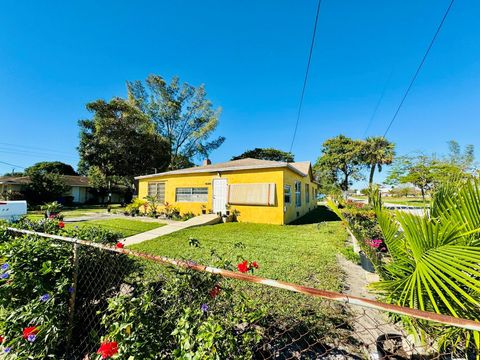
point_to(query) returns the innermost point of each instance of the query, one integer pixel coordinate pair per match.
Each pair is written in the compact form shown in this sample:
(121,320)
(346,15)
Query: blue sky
(56,56)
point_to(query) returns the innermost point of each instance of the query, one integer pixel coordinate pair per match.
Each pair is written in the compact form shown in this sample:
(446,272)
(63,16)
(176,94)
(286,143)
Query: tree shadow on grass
(317,215)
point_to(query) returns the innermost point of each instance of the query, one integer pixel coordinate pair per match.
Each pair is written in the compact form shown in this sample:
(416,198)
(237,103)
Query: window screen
(157,190)
(298,193)
(287,194)
(191,194)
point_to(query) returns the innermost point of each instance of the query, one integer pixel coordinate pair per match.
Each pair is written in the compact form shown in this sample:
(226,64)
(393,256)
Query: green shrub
(179,319)
(34,292)
(134,207)
(188,215)
(183,314)
(36,283)
(172,212)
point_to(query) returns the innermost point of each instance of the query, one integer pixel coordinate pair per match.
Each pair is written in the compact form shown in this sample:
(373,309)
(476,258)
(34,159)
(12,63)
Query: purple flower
(45,297)
(7,349)
(4,276)
(70,289)
(75,227)
(204,308)
(31,338)
(5,267)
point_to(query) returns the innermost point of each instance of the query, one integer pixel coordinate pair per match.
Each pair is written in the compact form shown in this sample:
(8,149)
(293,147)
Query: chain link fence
(137,306)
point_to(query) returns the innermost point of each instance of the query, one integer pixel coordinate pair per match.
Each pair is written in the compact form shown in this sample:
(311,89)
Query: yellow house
(258,191)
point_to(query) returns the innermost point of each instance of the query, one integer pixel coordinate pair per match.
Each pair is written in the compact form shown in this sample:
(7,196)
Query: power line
(419,67)
(36,154)
(6,163)
(6,146)
(306,75)
(380,99)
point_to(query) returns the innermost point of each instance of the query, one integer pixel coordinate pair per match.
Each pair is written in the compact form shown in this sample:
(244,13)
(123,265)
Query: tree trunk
(372,172)
(345,183)
(423,193)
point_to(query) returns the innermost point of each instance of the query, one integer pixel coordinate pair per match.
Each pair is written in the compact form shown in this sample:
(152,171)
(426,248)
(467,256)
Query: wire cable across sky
(16,166)
(312,45)
(419,67)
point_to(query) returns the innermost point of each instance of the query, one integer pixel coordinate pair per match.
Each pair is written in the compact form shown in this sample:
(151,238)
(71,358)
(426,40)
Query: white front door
(220,190)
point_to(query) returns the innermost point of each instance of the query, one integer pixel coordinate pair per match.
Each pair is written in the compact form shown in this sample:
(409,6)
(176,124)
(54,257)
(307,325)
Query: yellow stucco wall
(292,212)
(255,214)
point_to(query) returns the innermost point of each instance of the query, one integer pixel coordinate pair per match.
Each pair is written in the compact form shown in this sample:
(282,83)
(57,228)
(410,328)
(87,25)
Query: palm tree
(435,261)
(377,152)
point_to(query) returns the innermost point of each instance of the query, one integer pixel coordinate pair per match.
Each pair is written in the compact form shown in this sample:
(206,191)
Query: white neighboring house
(79,187)
(385,190)
(12,210)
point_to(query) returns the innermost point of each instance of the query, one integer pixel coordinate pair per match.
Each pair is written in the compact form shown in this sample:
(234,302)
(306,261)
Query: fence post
(73,294)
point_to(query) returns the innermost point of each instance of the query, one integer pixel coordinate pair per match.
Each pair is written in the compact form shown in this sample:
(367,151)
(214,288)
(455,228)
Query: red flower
(254,265)
(108,349)
(243,267)
(61,224)
(32,330)
(119,245)
(215,291)
(2,339)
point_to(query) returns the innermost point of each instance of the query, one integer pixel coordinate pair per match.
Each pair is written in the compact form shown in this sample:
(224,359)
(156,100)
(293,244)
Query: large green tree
(428,172)
(182,115)
(266,154)
(462,159)
(45,187)
(51,167)
(342,160)
(377,151)
(120,141)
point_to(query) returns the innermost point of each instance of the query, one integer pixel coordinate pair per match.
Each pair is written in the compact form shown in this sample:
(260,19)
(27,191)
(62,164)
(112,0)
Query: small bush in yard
(363,223)
(122,308)
(185,315)
(34,292)
(36,285)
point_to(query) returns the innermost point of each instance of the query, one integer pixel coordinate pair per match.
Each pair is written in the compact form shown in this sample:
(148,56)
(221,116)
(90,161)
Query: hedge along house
(259,191)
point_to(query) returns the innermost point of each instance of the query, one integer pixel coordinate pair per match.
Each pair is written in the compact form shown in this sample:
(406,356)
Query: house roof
(301,168)
(71,180)
(14,180)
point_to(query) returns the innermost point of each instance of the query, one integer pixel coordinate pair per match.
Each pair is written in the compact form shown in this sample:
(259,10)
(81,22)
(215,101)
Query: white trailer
(12,210)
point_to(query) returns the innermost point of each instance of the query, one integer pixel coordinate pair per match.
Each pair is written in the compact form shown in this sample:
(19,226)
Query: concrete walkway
(200,220)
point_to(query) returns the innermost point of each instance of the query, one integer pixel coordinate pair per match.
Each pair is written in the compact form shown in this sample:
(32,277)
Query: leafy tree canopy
(266,154)
(51,167)
(14,173)
(182,114)
(342,160)
(45,187)
(377,151)
(120,141)
(429,171)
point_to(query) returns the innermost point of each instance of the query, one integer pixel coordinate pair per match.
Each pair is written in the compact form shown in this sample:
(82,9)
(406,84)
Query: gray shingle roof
(301,168)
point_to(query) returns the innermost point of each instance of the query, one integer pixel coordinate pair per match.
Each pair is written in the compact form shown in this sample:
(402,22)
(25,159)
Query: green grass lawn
(405,201)
(409,201)
(77,211)
(127,227)
(304,254)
